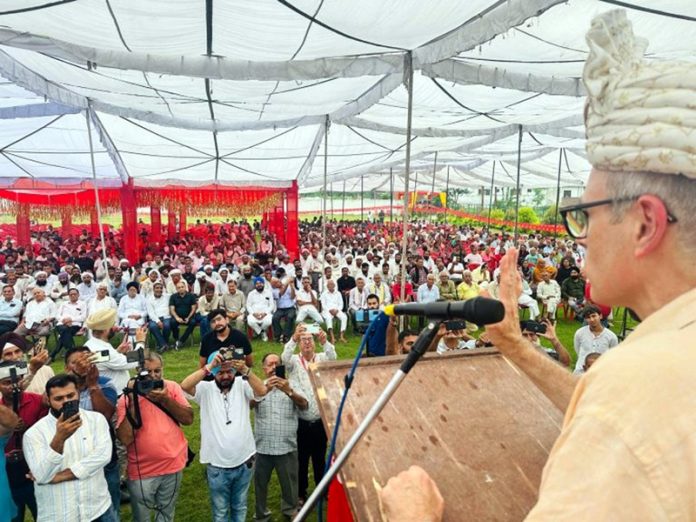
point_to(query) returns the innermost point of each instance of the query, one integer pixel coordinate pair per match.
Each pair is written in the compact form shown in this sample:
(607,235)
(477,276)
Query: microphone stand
(419,348)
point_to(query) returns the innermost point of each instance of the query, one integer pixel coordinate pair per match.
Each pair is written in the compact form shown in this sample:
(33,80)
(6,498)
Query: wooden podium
(471,419)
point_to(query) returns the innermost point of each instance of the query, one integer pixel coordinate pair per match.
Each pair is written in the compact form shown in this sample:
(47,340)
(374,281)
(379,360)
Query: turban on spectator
(103,319)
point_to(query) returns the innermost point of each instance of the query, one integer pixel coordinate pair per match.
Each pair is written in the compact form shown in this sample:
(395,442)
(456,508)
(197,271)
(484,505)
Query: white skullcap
(174,272)
(640,115)
(124,260)
(40,273)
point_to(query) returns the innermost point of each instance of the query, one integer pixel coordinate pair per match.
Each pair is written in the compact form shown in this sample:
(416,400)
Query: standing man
(311,437)
(592,338)
(157,447)
(630,421)
(227,442)
(276,439)
(222,335)
(69,472)
(284,296)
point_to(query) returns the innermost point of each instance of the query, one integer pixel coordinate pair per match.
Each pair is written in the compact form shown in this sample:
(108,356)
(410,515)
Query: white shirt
(96,304)
(331,301)
(76,311)
(298,370)
(357,300)
(37,312)
(382,292)
(158,306)
(303,295)
(85,453)
(131,306)
(548,290)
(259,303)
(116,368)
(59,292)
(225,445)
(87,292)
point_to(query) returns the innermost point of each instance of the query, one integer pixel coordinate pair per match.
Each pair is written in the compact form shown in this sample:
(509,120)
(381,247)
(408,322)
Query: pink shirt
(162,447)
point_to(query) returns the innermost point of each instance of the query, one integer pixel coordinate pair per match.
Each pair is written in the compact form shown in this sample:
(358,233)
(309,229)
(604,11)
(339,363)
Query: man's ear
(651,224)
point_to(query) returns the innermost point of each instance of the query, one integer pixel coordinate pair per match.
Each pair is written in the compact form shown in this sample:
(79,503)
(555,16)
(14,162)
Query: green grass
(193,503)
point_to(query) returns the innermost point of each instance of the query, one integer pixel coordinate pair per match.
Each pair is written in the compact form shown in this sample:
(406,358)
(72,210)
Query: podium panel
(471,419)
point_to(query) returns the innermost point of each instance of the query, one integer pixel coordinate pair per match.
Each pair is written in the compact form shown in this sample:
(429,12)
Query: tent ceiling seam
(36,7)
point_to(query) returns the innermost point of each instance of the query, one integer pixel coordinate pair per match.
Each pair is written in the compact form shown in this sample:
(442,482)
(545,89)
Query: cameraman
(14,349)
(157,447)
(227,442)
(97,393)
(29,407)
(66,457)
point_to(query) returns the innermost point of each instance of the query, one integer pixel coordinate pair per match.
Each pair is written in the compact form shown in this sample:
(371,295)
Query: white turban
(640,115)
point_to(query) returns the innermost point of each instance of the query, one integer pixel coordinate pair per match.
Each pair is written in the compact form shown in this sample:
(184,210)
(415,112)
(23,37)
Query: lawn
(193,503)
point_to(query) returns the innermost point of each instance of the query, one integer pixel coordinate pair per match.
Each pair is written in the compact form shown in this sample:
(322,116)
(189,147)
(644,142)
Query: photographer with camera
(223,336)
(66,452)
(29,407)
(227,442)
(116,367)
(14,349)
(97,393)
(152,434)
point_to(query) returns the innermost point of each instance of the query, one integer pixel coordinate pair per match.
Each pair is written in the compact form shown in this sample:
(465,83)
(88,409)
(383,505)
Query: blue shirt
(428,295)
(10,310)
(285,300)
(377,335)
(107,388)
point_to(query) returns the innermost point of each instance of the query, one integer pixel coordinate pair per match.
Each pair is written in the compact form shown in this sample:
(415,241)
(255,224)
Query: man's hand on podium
(412,496)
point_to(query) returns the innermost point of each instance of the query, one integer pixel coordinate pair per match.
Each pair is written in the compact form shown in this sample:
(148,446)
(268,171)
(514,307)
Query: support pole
(558,193)
(391,195)
(96,190)
(490,200)
(343,209)
(182,221)
(23,226)
(407,172)
(362,196)
(517,185)
(324,245)
(155,225)
(293,232)
(66,221)
(171,224)
(447,193)
(129,217)
(94,222)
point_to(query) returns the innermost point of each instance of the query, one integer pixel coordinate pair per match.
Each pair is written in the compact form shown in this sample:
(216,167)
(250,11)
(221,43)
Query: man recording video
(227,442)
(30,408)
(157,447)
(14,349)
(66,452)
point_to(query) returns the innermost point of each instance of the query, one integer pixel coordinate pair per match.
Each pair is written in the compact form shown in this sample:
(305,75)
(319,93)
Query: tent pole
(391,195)
(323,206)
(343,209)
(362,192)
(332,199)
(517,191)
(96,190)
(407,173)
(447,193)
(558,193)
(490,200)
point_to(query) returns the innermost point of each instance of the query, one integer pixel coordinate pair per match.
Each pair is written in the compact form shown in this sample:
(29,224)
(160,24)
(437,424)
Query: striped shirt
(85,453)
(275,423)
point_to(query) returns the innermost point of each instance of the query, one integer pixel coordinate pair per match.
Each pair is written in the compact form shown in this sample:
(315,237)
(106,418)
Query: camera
(312,328)
(13,371)
(227,354)
(533,326)
(145,386)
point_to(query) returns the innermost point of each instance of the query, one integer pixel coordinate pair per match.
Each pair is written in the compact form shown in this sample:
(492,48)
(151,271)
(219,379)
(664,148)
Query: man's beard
(41,283)
(224,384)
(221,328)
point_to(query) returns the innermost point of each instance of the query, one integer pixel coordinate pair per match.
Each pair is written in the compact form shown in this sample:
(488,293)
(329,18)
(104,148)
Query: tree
(550,215)
(527,215)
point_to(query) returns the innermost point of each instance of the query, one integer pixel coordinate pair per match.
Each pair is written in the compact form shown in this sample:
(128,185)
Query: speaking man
(627,449)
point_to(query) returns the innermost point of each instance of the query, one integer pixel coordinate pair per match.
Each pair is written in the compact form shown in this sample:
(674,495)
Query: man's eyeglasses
(576,218)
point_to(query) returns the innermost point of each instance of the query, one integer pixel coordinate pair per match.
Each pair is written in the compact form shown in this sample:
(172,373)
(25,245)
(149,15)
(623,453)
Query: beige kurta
(627,450)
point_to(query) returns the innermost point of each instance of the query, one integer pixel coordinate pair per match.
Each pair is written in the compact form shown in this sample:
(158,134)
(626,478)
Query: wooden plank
(471,419)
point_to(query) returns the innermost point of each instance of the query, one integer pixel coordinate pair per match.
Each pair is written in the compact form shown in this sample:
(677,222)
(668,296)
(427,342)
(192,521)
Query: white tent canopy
(241,94)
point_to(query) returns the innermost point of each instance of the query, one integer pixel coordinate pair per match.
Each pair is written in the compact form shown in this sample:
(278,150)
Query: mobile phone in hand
(40,346)
(280,371)
(70,409)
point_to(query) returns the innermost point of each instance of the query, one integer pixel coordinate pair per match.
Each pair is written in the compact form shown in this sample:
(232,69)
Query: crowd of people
(236,285)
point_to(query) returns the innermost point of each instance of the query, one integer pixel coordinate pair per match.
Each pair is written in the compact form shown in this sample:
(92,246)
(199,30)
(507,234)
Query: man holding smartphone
(311,437)
(275,430)
(68,473)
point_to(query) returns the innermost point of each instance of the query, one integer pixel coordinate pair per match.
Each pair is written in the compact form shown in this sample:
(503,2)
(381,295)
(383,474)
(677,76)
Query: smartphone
(238,354)
(312,328)
(533,326)
(455,325)
(70,409)
(40,346)
(280,371)
(134,355)
(100,357)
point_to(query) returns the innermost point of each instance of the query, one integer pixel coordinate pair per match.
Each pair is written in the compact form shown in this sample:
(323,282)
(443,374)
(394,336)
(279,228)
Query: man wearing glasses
(627,449)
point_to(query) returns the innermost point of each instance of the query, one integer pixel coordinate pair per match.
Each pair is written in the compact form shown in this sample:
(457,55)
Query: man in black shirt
(345,284)
(85,262)
(222,335)
(182,307)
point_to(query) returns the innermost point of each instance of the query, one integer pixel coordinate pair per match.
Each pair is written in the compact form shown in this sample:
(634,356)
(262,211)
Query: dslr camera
(14,371)
(232,354)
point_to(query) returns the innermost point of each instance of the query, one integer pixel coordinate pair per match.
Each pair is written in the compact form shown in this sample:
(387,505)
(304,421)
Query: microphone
(479,310)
